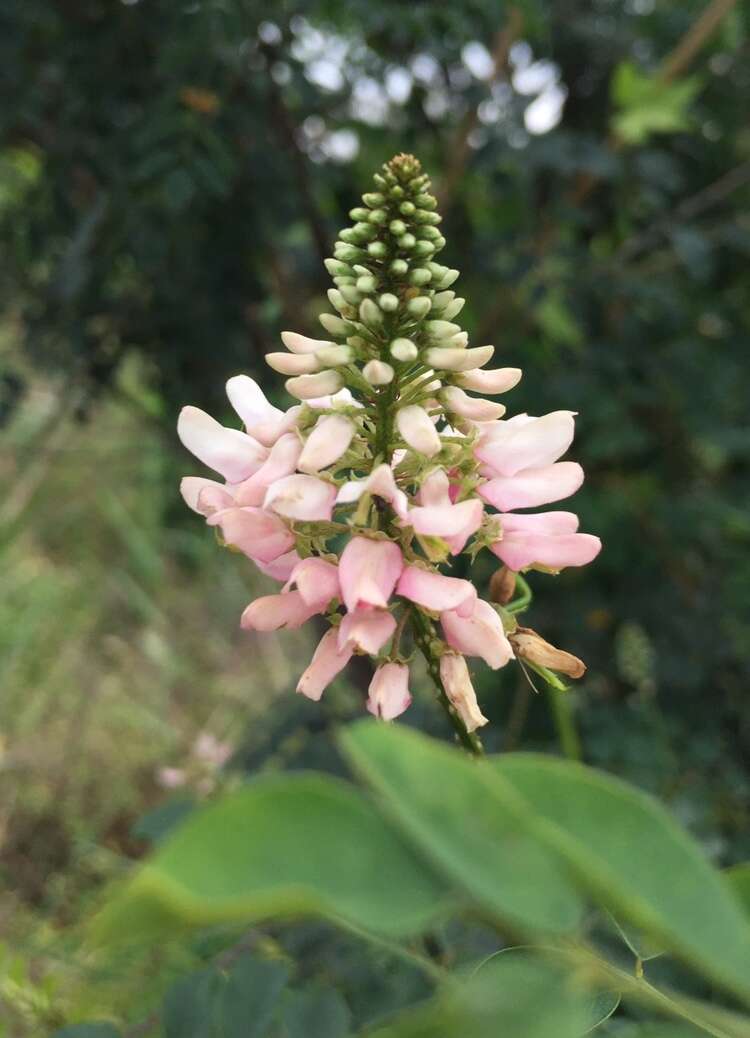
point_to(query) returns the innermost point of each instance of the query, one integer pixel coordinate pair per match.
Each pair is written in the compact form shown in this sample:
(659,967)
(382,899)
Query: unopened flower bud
(326,443)
(336,299)
(373,199)
(421,216)
(419,306)
(308,387)
(407,208)
(397,228)
(336,326)
(388,302)
(378,373)
(370,314)
(454,675)
(447,280)
(502,585)
(420,276)
(529,645)
(460,339)
(423,248)
(399,267)
(455,359)
(348,253)
(377,249)
(366,283)
(453,309)
(498,380)
(337,269)
(418,430)
(441,299)
(404,350)
(297,343)
(359,214)
(293,363)
(426,201)
(334,356)
(378,217)
(407,242)
(441,329)
(350,294)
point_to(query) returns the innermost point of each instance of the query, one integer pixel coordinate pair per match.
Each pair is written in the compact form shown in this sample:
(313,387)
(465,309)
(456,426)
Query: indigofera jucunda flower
(391,463)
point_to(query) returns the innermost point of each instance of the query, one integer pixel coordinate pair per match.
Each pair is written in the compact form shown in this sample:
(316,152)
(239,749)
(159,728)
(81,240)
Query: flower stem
(422,636)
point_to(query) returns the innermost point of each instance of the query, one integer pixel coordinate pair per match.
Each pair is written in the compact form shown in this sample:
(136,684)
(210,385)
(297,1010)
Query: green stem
(567,733)
(518,605)
(422,636)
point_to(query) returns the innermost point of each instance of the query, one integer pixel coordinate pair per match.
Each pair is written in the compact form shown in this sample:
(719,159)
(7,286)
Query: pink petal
(454,675)
(418,430)
(272,612)
(480,634)
(437,592)
(389,691)
(368,571)
(258,534)
(281,568)
(262,420)
(326,443)
(454,523)
(493,381)
(540,522)
(326,663)
(555,551)
(302,344)
(435,489)
(204,496)
(380,483)
(282,461)
(232,453)
(474,408)
(301,497)
(317,581)
(367,630)
(508,449)
(533,487)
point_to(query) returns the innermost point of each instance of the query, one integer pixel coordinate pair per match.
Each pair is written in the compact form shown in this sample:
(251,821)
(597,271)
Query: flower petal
(454,675)
(305,498)
(232,453)
(258,534)
(533,487)
(326,663)
(368,571)
(389,691)
(480,634)
(367,630)
(437,592)
(272,612)
(326,443)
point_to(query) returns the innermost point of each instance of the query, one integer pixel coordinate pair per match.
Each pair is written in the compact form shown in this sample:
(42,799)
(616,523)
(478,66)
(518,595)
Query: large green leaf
(471,825)
(473,816)
(281,846)
(315,1012)
(739,880)
(522,998)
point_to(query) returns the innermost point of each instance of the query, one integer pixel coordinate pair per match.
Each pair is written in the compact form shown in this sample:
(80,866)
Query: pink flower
(480,634)
(280,568)
(368,570)
(273,612)
(282,461)
(326,443)
(418,430)
(548,539)
(454,675)
(367,630)
(328,660)
(258,534)
(317,581)
(262,420)
(380,483)
(474,408)
(304,498)
(499,380)
(437,516)
(533,487)
(232,453)
(437,592)
(205,496)
(389,691)
(508,447)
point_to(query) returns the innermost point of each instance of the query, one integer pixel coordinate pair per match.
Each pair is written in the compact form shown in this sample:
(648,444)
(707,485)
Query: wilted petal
(317,581)
(454,675)
(326,663)
(258,534)
(480,634)
(437,592)
(532,647)
(496,380)
(367,630)
(326,443)
(368,571)
(272,612)
(509,448)
(533,487)
(204,496)
(389,691)
(229,451)
(380,483)
(418,430)
(301,497)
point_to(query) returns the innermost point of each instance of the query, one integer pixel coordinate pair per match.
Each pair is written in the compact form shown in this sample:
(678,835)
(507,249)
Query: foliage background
(171,177)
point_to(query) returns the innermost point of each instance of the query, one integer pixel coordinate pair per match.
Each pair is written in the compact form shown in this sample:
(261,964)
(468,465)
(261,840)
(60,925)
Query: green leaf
(632,854)
(250,997)
(192,1006)
(154,825)
(523,998)
(315,1012)
(739,880)
(647,105)
(473,831)
(95,1030)
(281,846)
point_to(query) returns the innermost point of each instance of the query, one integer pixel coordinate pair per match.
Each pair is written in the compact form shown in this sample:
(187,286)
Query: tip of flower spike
(404,166)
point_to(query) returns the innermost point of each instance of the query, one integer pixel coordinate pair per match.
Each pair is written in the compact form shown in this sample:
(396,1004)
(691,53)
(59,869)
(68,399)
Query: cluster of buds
(393,463)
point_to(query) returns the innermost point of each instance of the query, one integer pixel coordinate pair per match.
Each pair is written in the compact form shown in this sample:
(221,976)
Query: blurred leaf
(155,825)
(473,832)
(315,1012)
(739,880)
(283,846)
(647,105)
(87,1031)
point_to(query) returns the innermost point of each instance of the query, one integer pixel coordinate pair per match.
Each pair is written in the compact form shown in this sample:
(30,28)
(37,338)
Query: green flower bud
(423,248)
(335,325)
(426,201)
(336,268)
(399,267)
(347,235)
(397,227)
(407,208)
(366,283)
(422,216)
(350,294)
(348,253)
(448,278)
(364,231)
(439,243)
(429,233)
(377,250)
(357,342)
(343,281)
(359,214)
(460,339)
(378,373)
(336,299)
(378,216)
(370,314)
(407,241)
(404,350)
(419,307)
(420,276)
(441,299)
(453,309)
(441,329)
(334,356)
(373,199)
(359,271)
(388,302)
(397,191)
